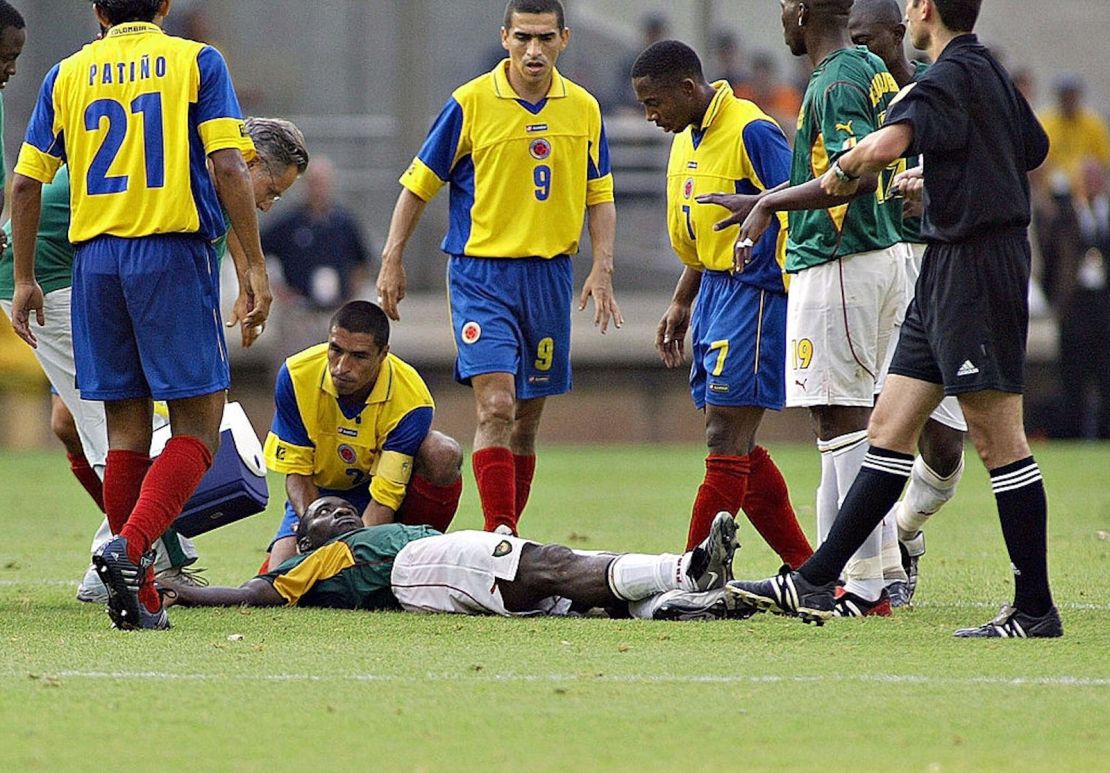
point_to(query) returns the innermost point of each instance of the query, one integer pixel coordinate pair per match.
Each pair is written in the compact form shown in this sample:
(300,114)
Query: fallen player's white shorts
(459,573)
(839,320)
(948,412)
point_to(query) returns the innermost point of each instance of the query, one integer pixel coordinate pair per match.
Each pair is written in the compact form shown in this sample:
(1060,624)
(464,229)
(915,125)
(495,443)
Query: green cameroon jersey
(846,100)
(53,252)
(911,226)
(3,157)
(349,572)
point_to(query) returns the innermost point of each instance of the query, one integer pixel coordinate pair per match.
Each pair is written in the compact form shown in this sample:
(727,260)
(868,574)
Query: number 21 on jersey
(113,117)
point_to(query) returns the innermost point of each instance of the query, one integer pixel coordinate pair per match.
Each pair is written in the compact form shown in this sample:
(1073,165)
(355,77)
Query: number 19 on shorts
(801,353)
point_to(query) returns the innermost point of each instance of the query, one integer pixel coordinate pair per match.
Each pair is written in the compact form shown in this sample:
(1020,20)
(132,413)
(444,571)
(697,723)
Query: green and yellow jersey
(740,149)
(349,572)
(521,174)
(342,446)
(847,99)
(53,251)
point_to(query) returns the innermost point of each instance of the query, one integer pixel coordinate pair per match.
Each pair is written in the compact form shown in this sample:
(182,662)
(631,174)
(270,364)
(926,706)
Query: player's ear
(504,38)
(565,36)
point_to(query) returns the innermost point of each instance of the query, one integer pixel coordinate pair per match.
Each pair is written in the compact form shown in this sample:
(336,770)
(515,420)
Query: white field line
(924,603)
(512,678)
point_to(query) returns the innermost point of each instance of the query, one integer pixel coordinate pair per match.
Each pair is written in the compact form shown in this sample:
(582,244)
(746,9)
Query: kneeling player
(353,421)
(416,569)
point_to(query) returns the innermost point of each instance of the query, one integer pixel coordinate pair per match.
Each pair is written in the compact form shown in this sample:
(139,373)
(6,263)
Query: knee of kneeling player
(439,460)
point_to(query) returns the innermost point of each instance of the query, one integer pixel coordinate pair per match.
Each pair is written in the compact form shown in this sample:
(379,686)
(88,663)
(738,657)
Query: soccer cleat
(123,578)
(850,605)
(711,562)
(912,550)
(787,593)
(714,604)
(899,592)
(92,590)
(1012,623)
(504,530)
(183,575)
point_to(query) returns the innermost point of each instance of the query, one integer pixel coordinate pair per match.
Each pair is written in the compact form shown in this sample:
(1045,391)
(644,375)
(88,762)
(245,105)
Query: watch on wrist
(841,175)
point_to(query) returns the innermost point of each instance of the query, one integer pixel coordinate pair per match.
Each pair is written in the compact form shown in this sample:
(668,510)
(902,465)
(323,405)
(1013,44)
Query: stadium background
(363,79)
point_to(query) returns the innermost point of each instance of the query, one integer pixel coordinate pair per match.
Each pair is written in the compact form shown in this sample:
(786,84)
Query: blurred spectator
(318,245)
(1076,248)
(728,60)
(1076,133)
(776,97)
(653,28)
(1026,83)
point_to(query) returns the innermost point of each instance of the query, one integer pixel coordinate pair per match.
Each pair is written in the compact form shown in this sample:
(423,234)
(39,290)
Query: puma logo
(845,127)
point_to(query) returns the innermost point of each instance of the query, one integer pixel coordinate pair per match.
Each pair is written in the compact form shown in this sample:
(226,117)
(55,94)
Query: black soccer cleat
(711,562)
(1012,623)
(787,593)
(701,605)
(123,578)
(911,551)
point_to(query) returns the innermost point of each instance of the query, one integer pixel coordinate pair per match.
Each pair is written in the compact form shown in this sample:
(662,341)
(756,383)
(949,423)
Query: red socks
(172,479)
(495,473)
(767,505)
(525,467)
(123,479)
(726,482)
(87,477)
(427,503)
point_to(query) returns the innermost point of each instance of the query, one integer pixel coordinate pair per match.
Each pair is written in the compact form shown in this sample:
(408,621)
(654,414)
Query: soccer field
(284,689)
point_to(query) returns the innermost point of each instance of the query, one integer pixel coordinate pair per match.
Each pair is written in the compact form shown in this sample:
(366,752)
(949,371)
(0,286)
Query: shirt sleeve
(768,152)
(845,116)
(932,107)
(1033,136)
(599,176)
(391,479)
(442,148)
(43,151)
(219,117)
(288,448)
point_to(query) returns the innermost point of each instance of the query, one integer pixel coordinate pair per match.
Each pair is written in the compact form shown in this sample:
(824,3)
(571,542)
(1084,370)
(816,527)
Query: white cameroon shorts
(839,320)
(948,412)
(458,573)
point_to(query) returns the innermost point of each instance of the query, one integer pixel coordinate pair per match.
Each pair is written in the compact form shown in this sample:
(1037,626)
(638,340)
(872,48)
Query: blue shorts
(739,344)
(512,315)
(358,497)
(146,319)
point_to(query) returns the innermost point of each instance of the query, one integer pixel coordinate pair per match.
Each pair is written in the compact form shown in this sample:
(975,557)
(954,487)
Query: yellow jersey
(521,174)
(737,148)
(135,116)
(341,446)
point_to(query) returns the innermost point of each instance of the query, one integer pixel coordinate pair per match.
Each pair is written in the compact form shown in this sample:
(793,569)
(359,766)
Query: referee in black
(965,331)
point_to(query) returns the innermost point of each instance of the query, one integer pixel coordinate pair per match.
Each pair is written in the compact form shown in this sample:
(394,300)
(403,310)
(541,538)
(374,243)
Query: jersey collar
(133,28)
(724,91)
(383,387)
(503,89)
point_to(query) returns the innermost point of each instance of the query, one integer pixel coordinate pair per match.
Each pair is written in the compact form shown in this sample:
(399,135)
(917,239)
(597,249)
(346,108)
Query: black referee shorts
(967,325)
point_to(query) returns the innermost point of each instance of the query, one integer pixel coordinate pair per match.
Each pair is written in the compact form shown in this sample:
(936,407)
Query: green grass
(345,690)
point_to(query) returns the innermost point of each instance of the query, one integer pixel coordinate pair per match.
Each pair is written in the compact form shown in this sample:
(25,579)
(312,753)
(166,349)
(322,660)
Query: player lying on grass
(344,565)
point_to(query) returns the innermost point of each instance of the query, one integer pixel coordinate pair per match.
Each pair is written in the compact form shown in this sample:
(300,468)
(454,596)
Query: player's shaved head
(363,317)
(325,519)
(877,12)
(668,60)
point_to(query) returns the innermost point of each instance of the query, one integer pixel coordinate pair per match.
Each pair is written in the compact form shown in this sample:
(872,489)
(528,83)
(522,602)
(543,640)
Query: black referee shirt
(979,139)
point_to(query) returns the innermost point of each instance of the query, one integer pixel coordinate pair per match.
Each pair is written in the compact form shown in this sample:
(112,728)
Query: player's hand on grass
(739,204)
(670,336)
(26,299)
(599,284)
(756,224)
(910,185)
(391,287)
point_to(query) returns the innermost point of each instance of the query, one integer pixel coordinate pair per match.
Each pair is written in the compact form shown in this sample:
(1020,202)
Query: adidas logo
(967,369)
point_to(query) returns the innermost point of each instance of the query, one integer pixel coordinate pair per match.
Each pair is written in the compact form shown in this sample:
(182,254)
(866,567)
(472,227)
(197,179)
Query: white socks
(635,576)
(926,494)
(841,458)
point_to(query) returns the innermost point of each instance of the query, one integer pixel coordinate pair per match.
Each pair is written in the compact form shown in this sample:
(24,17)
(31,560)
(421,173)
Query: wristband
(841,175)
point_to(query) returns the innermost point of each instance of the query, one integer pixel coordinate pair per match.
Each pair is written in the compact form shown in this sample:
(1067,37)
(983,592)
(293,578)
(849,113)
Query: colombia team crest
(471,332)
(540,150)
(347,454)
(688,187)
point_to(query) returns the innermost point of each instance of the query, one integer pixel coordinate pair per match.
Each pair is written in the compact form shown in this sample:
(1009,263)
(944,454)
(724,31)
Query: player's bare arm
(808,195)
(738,204)
(236,192)
(301,492)
(26,209)
(391,276)
(376,514)
(242,306)
(670,336)
(873,154)
(599,284)
(253,593)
